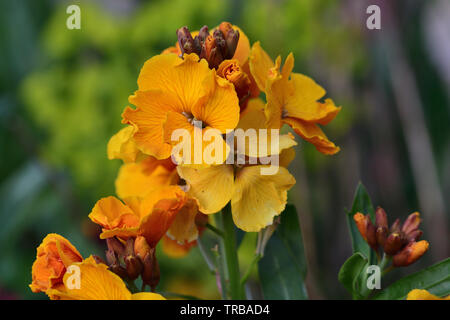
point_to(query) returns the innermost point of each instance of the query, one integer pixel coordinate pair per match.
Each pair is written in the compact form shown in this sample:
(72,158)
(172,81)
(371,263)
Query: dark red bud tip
(382,234)
(371,234)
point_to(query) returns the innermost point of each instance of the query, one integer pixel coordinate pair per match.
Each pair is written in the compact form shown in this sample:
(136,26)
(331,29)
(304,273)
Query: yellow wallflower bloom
(255,198)
(172,93)
(150,216)
(418,294)
(293,99)
(98,283)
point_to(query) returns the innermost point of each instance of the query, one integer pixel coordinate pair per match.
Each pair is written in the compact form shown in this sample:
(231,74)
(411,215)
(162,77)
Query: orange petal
(243,48)
(54,255)
(111,213)
(148,117)
(175,250)
(313,134)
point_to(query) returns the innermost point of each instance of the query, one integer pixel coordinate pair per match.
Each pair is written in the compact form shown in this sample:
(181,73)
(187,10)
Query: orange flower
(173,92)
(293,99)
(98,283)
(54,255)
(150,216)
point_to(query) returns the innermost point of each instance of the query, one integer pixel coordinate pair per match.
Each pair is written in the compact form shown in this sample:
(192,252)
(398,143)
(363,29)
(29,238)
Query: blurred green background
(62,93)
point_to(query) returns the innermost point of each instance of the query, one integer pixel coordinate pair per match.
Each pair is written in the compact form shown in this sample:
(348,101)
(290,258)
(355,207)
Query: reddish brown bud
(115,245)
(134,267)
(98,259)
(382,234)
(185,41)
(150,273)
(371,234)
(411,253)
(381,218)
(411,223)
(393,243)
(395,226)
(414,235)
(111,257)
(120,271)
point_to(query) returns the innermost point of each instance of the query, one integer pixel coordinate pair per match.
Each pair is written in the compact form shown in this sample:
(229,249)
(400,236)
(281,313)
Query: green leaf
(435,279)
(282,270)
(350,272)
(363,204)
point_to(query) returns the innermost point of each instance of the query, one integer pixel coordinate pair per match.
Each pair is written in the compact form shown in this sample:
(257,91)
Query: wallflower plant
(210,84)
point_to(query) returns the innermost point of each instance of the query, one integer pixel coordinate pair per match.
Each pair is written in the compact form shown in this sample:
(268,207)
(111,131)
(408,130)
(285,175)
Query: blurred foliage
(62,92)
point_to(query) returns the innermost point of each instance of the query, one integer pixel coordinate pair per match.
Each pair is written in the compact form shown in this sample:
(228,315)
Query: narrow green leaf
(363,204)
(282,270)
(435,279)
(350,272)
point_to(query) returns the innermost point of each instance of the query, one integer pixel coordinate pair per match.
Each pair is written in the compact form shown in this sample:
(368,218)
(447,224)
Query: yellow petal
(313,134)
(187,79)
(257,198)
(147,296)
(139,179)
(302,104)
(183,228)
(260,65)
(418,294)
(212,187)
(97,283)
(122,146)
(243,48)
(254,119)
(221,110)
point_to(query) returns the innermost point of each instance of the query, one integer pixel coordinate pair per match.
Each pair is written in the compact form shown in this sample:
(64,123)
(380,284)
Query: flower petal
(147,296)
(258,198)
(313,134)
(212,187)
(97,283)
(260,65)
(122,145)
(187,79)
(183,228)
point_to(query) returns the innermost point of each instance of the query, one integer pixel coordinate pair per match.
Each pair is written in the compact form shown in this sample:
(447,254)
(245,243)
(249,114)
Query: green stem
(214,229)
(229,252)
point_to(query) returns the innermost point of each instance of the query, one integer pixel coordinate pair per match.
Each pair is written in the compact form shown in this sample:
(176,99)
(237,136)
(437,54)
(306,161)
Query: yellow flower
(173,92)
(150,216)
(54,255)
(293,99)
(98,283)
(418,294)
(122,146)
(255,198)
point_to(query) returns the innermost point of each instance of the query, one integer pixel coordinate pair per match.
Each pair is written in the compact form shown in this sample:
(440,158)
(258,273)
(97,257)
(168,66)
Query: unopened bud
(141,248)
(371,234)
(393,243)
(381,218)
(150,273)
(133,266)
(115,245)
(411,223)
(411,253)
(382,235)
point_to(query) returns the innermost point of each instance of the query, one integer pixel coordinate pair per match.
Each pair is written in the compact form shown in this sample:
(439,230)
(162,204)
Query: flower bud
(382,234)
(134,266)
(141,248)
(150,273)
(411,223)
(361,224)
(230,70)
(381,218)
(411,253)
(115,245)
(393,243)
(371,234)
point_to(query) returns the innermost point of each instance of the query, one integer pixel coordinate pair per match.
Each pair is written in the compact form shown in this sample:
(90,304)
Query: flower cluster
(206,81)
(400,241)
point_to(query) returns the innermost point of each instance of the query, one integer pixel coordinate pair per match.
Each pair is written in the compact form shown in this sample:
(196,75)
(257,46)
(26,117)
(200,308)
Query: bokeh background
(62,92)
